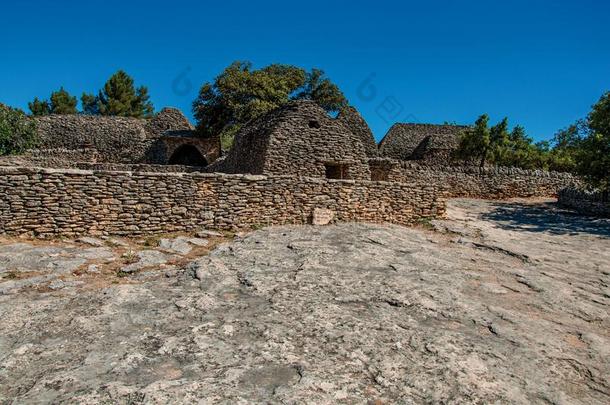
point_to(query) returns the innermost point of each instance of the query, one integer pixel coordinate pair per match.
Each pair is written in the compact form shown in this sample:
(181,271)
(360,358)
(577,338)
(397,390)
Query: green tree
(566,149)
(319,88)
(119,97)
(61,103)
(89,104)
(519,150)
(240,94)
(475,143)
(17,131)
(594,161)
(584,147)
(497,145)
(39,107)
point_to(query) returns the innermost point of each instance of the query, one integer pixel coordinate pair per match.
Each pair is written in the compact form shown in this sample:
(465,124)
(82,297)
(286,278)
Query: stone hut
(297,139)
(178,142)
(351,118)
(167,138)
(428,143)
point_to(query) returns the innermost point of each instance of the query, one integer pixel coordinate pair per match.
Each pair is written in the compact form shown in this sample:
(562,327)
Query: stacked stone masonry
(118,139)
(352,120)
(593,203)
(475,182)
(49,202)
(426,143)
(299,139)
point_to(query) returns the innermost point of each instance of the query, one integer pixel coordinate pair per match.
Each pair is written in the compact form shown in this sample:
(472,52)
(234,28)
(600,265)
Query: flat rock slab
(508,304)
(182,245)
(208,234)
(146,259)
(25,265)
(91,241)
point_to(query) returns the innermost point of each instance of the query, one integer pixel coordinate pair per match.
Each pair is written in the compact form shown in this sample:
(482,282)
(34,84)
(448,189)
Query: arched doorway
(187,155)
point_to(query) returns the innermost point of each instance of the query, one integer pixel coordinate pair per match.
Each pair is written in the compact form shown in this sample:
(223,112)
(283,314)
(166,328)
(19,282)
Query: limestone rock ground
(500,303)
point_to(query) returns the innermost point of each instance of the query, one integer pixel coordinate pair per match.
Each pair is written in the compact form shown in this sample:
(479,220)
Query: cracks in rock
(522,280)
(524,258)
(300,371)
(510,288)
(585,316)
(396,303)
(374,241)
(297,271)
(243,280)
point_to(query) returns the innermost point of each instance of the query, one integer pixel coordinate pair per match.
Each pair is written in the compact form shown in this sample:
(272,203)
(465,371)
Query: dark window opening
(336,171)
(379,174)
(187,155)
(314,124)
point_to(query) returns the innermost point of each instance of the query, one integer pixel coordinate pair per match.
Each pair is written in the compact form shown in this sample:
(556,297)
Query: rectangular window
(379,174)
(336,171)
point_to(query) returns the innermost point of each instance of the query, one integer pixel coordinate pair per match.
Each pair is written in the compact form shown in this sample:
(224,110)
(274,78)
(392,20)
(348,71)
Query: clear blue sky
(541,63)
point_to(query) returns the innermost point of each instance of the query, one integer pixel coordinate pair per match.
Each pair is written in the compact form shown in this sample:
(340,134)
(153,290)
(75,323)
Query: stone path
(503,302)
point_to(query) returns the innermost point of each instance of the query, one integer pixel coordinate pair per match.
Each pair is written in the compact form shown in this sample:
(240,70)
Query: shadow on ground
(546,217)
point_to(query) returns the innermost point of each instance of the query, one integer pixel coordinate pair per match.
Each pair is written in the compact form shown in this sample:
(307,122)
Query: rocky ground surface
(500,303)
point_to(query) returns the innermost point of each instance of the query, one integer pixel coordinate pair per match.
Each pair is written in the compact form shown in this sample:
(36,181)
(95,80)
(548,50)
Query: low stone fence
(55,158)
(143,168)
(476,182)
(65,163)
(49,202)
(594,203)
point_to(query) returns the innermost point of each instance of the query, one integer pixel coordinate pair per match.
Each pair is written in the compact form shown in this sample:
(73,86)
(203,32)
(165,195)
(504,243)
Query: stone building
(300,139)
(427,143)
(351,118)
(167,138)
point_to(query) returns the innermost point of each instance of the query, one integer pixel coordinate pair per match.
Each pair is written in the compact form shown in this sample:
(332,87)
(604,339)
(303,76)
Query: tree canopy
(241,93)
(17,132)
(594,158)
(61,102)
(119,97)
(582,148)
(498,145)
(475,142)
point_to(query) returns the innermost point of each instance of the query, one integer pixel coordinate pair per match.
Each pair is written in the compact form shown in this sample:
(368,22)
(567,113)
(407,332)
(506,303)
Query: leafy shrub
(17,131)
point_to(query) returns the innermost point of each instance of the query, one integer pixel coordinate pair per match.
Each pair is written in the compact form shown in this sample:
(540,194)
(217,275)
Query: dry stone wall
(423,142)
(50,202)
(76,163)
(352,120)
(117,139)
(475,182)
(593,203)
(299,139)
(56,158)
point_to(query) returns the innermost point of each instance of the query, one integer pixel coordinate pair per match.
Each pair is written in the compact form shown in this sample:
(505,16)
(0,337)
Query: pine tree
(475,143)
(120,97)
(89,104)
(62,102)
(39,107)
